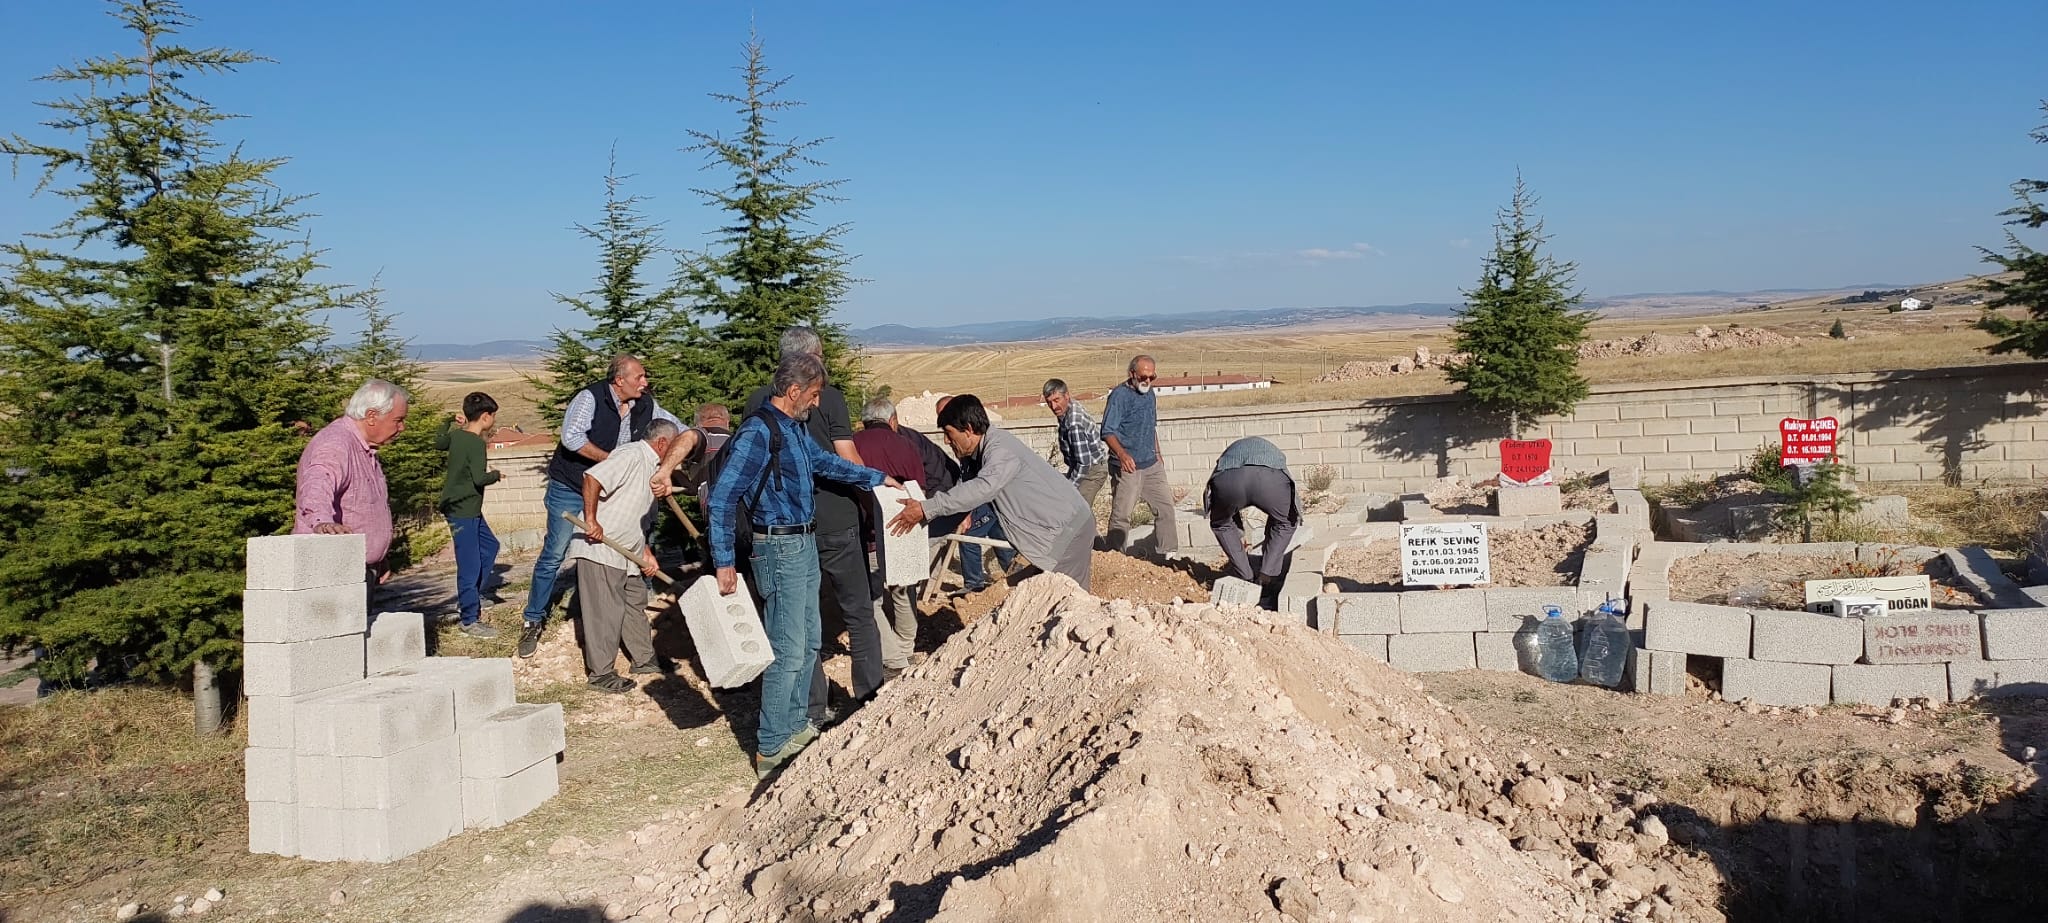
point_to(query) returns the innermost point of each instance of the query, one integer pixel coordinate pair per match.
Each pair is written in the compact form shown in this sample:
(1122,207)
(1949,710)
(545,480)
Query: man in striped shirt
(773,473)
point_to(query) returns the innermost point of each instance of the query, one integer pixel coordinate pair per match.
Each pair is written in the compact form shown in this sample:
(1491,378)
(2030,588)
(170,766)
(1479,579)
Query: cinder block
(1923,636)
(1298,591)
(305,562)
(481,687)
(283,616)
(395,639)
(384,718)
(731,645)
(511,740)
(1606,566)
(905,559)
(1617,525)
(1415,509)
(1506,651)
(300,667)
(267,775)
(1767,683)
(1879,684)
(1666,672)
(1362,613)
(1518,608)
(1975,568)
(273,828)
(1374,646)
(2016,634)
(373,835)
(1696,628)
(1436,652)
(1995,678)
(1230,591)
(1625,477)
(1802,637)
(1430,611)
(1536,500)
(269,719)
(380,782)
(495,802)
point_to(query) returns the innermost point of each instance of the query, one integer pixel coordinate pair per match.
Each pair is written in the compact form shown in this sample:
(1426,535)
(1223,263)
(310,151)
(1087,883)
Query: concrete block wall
(361,748)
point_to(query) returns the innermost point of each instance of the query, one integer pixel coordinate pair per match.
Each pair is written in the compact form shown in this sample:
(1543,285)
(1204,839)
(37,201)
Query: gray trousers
(1149,485)
(1091,481)
(898,619)
(1271,490)
(614,605)
(1077,559)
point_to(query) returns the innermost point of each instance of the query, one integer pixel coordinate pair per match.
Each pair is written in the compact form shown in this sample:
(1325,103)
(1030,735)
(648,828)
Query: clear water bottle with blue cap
(1603,645)
(1557,658)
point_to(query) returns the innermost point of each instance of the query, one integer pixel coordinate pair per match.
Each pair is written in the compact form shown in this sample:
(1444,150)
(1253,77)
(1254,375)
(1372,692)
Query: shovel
(615,546)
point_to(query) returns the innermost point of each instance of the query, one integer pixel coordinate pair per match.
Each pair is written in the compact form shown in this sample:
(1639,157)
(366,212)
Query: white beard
(1143,387)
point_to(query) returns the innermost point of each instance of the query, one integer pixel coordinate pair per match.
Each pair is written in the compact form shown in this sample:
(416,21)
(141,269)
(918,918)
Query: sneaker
(765,766)
(479,630)
(612,682)
(804,737)
(529,638)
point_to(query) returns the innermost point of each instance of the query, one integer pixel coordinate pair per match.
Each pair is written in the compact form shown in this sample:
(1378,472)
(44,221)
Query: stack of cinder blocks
(361,747)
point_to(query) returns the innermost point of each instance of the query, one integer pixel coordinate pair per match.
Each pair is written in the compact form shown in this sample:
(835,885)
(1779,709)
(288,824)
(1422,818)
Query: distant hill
(495,349)
(1141,325)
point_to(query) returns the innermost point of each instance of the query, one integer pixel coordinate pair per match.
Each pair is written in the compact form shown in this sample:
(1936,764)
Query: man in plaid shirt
(1080,442)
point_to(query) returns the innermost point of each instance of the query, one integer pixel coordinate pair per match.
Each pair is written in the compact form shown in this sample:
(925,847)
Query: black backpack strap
(774,456)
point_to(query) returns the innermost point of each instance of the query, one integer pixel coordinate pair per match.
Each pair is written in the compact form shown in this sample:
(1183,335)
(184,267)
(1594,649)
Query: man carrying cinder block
(884,449)
(1042,514)
(618,501)
(770,466)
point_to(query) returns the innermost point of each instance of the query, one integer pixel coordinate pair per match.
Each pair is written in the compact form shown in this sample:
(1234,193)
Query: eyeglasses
(1144,377)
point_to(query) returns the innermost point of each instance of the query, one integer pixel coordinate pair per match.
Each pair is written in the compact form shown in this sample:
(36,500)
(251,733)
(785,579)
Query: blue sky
(1029,160)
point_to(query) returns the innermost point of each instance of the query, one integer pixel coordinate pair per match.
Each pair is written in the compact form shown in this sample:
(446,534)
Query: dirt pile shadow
(1861,839)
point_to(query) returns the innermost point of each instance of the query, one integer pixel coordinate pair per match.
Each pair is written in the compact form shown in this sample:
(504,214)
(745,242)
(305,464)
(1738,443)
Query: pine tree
(767,270)
(1519,332)
(413,466)
(1838,331)
(2030,291)
(628,315)
(161,348)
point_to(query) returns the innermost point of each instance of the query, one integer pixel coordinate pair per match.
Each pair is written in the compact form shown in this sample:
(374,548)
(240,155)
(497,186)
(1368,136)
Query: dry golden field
(1878,340)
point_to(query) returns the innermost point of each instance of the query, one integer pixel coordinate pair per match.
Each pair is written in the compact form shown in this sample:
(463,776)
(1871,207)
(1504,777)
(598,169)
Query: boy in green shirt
(462,501)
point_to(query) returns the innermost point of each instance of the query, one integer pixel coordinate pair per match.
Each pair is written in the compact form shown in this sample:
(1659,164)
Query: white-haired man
(341,486)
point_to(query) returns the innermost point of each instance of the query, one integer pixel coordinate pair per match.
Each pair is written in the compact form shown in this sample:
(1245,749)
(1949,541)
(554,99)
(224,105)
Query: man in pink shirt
(341,487)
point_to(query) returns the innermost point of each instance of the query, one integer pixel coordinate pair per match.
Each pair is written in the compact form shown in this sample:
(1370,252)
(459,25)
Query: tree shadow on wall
(1951,414)
(1427,431)
(1971,852)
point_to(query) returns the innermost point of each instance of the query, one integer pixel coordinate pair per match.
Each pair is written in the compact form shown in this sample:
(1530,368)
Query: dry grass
(92,782)
(2000,519)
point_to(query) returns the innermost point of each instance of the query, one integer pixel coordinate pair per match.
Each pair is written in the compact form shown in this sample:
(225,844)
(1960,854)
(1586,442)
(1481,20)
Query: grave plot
(1777,579)
(1545,557)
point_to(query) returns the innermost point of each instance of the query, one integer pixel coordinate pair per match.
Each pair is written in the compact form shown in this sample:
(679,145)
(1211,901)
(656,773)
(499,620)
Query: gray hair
(1053,386)
(620,363)
(662,429)
(375,395)
(1141,357)
(797,370)
(710,412)
(877,410)
(801,341)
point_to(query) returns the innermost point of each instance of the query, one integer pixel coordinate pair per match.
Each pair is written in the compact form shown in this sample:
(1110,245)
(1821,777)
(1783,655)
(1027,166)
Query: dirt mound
(1067,758)
(1359,370)
(1704,339)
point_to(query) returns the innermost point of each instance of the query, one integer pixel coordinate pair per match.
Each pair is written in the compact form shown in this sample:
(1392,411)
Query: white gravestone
(727,632)
(1900,594)
(1444,553)
(906,558)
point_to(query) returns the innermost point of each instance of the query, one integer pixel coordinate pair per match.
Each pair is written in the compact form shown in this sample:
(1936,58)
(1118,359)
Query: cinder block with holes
(730,643)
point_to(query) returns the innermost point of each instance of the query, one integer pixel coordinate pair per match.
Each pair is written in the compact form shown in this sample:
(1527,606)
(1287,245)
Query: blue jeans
(786,576)
(476,554)
(972,571)
(553,548)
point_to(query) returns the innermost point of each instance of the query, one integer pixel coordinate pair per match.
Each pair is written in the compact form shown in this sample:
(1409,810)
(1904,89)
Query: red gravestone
(1524,461)
(1806,442)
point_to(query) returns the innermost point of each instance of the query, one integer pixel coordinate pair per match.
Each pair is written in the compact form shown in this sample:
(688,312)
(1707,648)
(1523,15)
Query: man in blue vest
(600,418)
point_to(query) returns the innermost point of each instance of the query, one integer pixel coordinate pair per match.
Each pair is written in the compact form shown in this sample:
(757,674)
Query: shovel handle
(577,521)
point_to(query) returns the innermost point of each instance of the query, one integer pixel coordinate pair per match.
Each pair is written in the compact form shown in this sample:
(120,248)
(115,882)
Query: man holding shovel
(618,500)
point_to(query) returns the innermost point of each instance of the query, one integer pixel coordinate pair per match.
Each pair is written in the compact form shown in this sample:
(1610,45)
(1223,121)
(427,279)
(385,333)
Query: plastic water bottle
(1603,646)
(1556,658)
